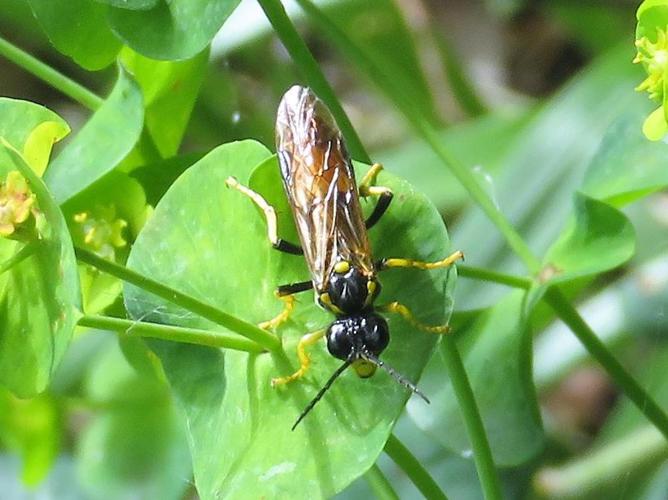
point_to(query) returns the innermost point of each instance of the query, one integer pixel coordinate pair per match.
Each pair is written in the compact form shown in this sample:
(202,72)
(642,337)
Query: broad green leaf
(175,29)
(105,219)
(78,29)
(211,242)
(496,354)
(598,239)
(31,427)
(39,296)
(135,447)
(31,129)
(101,144)
(626,166)
(170,90)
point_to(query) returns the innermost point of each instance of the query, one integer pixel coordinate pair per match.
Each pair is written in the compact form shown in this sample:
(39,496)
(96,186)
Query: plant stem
(22,254)
(379,484)
(413,469)
(54,78)
(482,274)
(256,334)
(482,453)
(631,388)
(173,333)
(635,452)
(302,56)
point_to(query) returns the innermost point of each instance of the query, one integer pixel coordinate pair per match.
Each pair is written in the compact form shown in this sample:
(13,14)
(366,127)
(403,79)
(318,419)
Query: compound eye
(339,342)
(376,334)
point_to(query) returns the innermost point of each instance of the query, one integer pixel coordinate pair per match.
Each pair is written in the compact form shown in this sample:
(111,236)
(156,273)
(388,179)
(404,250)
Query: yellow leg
(365,187)
(269,212)
(448,261)
(282,317)
(304,359)
(403,311)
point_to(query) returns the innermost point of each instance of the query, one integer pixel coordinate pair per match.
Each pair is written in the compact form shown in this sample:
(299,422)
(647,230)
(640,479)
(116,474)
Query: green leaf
(131,4)
(78,29)
(157,177)
(39,296)
(31,129)
(599,238)
(101,144)
(170,90)
(496,354)
(175,29)
(211,242)
(32,427)
(135,447)
(626,165)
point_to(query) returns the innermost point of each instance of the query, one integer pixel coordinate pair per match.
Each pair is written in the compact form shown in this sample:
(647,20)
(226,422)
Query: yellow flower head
(654,56)
(17,204)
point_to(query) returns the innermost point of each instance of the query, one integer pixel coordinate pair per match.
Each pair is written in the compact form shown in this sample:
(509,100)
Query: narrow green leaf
(131,4)
(175,29)
(218,250)
(78,29)
(101,144)
(39,296)
(31,129)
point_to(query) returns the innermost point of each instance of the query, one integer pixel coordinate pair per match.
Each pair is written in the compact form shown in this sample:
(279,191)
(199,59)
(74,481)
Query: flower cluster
(101,231)
(18,206)
(654,57)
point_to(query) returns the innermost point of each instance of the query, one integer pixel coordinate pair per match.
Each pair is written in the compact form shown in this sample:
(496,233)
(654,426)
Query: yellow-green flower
(654,57)
(101,231)
(17,205)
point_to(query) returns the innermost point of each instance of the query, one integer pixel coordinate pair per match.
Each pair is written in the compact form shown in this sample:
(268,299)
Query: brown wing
(320,184)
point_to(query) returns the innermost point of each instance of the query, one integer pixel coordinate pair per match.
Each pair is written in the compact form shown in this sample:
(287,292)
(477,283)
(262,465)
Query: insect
(320,185)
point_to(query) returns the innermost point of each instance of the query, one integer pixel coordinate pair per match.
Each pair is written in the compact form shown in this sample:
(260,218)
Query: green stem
(631,388)
(482,453)
(413,469)
(481,274)
(302,56)
(379,484)
(636,452)
(24,252)
(256,334)
(54,78)
(173,333)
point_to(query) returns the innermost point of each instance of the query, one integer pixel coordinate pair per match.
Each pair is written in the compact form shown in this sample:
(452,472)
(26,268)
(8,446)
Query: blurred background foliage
(535,97)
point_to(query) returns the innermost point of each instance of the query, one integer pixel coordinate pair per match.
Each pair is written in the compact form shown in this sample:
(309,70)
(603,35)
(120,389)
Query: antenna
(329,383)
(394,374)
